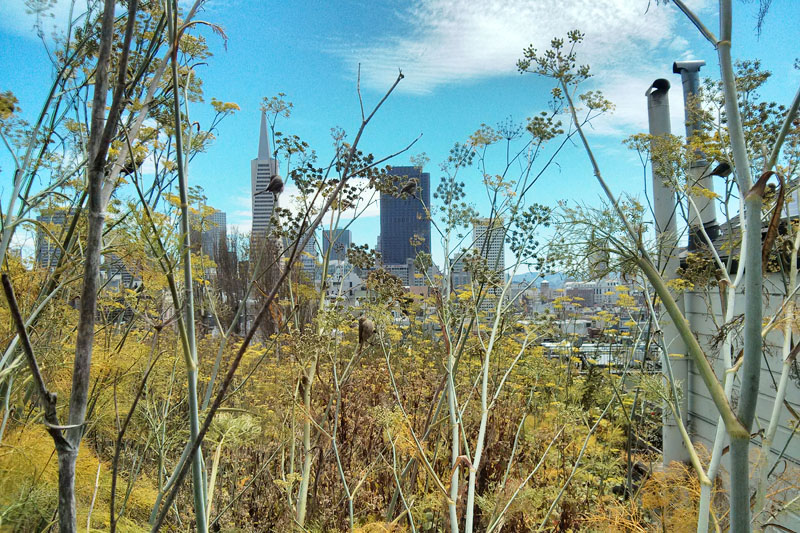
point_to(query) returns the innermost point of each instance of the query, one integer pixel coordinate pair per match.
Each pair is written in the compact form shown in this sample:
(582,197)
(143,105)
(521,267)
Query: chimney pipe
(664,207)
(663,195)
(707,216)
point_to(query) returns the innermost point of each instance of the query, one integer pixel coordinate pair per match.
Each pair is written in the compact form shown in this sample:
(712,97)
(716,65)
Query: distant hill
(556,280)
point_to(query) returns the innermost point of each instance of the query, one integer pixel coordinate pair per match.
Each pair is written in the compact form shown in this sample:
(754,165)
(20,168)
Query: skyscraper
(488,242)
(405,227)
(342,238)
(47,250)
(262,169)
(308,258)
(215,229)
(118,276)
(459,276)
(488,238)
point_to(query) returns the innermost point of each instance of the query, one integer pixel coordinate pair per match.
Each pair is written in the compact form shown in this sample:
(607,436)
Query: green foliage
(589,235)
(31,469)
(28,507)
(8,105)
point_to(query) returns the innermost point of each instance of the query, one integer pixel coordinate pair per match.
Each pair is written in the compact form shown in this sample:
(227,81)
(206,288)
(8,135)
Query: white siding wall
(703,415)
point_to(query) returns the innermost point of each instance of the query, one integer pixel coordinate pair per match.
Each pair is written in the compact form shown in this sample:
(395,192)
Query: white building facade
(488,240)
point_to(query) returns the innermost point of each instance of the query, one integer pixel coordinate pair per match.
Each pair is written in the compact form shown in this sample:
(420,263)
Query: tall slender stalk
(751,368)
(704,506)
(454,444)
(198,484)
(346,174)
(101,133)
(780,394)
(487,402)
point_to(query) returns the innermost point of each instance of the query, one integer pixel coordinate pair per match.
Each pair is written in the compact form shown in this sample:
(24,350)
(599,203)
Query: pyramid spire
(263,139)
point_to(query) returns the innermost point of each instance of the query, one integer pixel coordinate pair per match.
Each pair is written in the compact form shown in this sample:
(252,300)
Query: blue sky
(459,61)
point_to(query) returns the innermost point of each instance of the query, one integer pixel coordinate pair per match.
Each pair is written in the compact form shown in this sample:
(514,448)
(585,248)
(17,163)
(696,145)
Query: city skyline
(435,109)
(627,52)
(581,385)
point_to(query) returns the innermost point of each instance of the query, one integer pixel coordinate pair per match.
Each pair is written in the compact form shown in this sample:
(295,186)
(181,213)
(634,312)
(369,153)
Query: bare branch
(696,21)
(48,398)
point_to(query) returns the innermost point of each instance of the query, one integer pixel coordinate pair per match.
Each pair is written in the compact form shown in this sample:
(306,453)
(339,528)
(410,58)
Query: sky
(459,62)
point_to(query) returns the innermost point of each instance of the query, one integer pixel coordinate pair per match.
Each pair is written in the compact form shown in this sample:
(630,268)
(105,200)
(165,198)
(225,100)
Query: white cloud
(17,18)
(447,42)
(627,91)
(240,215)
(679,44)
(366,207)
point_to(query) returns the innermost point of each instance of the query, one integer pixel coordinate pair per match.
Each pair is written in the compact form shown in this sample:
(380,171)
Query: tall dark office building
(342,238)
(405,227)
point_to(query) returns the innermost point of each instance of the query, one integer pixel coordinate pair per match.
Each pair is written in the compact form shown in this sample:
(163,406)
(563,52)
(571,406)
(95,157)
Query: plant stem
(188,304)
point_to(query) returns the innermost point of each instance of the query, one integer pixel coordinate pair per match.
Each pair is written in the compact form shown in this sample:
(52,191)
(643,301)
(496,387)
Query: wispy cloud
(16,17)
(627,91)
(446,42)
(365,207)
(240,214)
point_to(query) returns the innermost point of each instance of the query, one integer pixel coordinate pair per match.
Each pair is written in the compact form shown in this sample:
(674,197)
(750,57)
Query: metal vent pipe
(664,203)
(664,211)
(698,171)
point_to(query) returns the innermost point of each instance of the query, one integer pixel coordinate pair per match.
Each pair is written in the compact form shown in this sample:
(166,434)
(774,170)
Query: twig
(121,433)
(94,497)
(697,23)
(48,399)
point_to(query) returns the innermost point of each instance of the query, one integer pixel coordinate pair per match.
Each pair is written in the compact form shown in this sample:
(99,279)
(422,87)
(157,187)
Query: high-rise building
(47,250)
(308,258)
(342,239)
(117,274)
(459,277)
(488,237)
(545,291)
(405,226)
(214,233)
(262,169)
